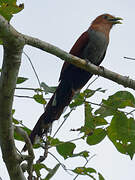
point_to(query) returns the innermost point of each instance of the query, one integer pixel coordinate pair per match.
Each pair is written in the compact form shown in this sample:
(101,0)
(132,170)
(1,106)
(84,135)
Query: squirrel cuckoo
(92,46)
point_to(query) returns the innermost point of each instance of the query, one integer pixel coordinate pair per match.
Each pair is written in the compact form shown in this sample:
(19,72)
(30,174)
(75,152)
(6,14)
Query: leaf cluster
(108,120)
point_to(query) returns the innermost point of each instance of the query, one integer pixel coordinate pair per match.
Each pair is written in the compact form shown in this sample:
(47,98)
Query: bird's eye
(105,17)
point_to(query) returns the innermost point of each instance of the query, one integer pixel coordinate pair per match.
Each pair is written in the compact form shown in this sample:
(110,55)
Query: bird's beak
(115,20)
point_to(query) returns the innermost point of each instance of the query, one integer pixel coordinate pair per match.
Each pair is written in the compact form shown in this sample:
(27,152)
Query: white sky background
(60,23)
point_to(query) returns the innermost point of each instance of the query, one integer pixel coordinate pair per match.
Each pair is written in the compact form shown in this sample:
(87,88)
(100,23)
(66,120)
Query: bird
(90,46)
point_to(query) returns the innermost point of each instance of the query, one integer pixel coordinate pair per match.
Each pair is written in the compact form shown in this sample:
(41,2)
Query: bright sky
(61,23)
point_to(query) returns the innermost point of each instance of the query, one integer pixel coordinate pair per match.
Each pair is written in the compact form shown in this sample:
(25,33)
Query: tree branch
(123,80)
(29,157)
(13,44)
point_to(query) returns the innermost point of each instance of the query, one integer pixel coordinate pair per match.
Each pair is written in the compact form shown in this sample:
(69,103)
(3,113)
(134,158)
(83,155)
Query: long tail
(60,99)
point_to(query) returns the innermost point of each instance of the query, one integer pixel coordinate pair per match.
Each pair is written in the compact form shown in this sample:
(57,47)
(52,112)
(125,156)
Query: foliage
(108,120)
(10,7)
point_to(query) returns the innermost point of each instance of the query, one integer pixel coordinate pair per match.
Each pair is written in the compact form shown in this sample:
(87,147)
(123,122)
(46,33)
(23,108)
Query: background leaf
(98,135)
(20,80)
(39,98)
(66,149)
(122,133)
(9,7)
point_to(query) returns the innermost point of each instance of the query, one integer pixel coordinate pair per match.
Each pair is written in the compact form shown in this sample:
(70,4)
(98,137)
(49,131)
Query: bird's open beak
(115,20)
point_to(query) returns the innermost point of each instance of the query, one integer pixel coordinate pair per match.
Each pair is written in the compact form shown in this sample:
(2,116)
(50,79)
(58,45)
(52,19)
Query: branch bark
(13,44)
(123,80)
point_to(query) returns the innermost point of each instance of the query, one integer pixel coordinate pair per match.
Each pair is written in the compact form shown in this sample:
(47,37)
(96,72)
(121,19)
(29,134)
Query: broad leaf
(91,121)
(39,98)
(52,172)
(120,99)
(100,176)
(48,89)
(20,80)
(122,133)
(85,171)
(38,166)
(53,141)
(97,136)
(66,149)
(9,7)
(78,100)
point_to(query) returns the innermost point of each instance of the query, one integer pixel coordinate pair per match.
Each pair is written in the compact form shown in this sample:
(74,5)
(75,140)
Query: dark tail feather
(60,99)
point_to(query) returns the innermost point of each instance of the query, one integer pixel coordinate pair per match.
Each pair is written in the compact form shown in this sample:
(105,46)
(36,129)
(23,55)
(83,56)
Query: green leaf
(52,172)
(85,171)
(99,121)
(37,167)
(105,111)
(8,8)
(98,135)
(78,100)
(88,93)
(100,176)
(84,154)
(89,125)
(39,98)
(48,89)
(89,122)
(122,133)
(13,111)
(53,141)
(15,121)
(21,80)
(66,149)
(120,99)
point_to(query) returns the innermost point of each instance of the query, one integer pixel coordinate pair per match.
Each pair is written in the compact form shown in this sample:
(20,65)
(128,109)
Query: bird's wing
(76,50)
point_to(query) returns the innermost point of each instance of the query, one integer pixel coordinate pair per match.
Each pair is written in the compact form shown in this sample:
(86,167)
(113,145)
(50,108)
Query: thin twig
(62,165)
(31,89)
(19,96)
(35,74)
(129,58)
(76,139)
(33,68)
(92,82)
(85,165)
(62,124)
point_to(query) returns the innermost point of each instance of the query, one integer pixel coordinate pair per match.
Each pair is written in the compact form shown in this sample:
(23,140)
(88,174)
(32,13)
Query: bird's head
(107,19)
(105,22)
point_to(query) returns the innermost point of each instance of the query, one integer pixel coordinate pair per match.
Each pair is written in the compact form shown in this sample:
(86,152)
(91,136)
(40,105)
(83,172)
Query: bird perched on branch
(91,46)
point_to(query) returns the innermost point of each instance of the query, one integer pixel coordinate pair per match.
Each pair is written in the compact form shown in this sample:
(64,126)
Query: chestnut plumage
(91,45)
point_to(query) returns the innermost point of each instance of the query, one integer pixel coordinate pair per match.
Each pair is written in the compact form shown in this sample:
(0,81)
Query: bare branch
(129,58)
